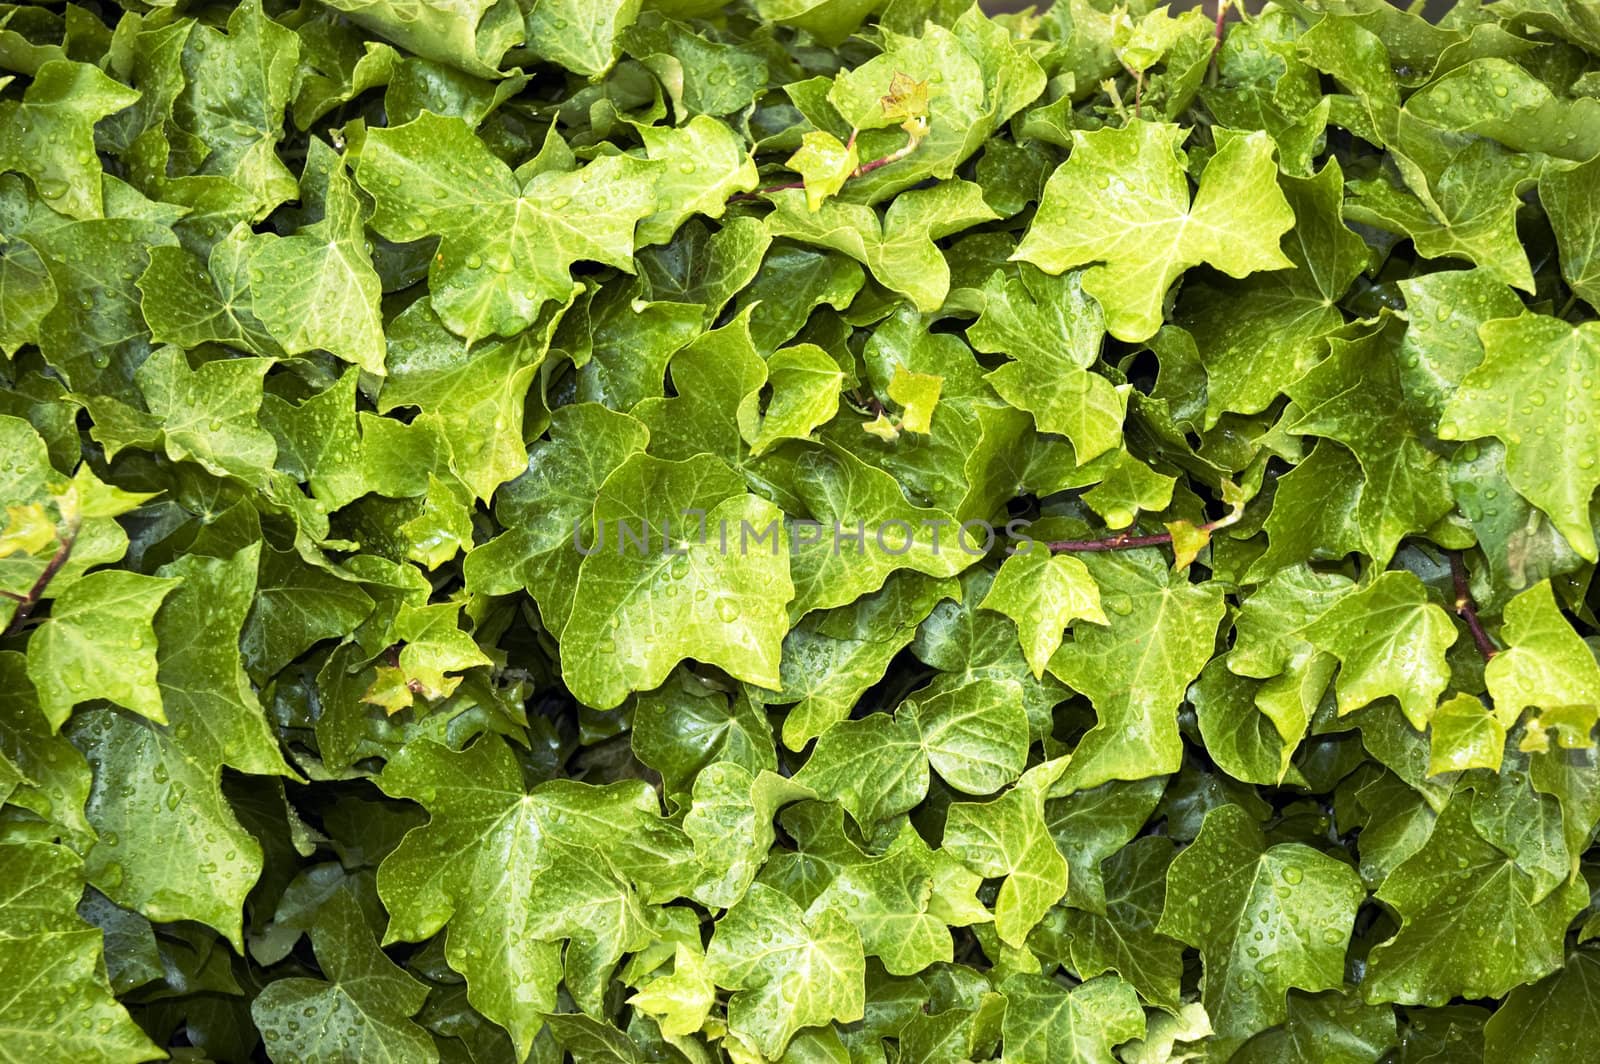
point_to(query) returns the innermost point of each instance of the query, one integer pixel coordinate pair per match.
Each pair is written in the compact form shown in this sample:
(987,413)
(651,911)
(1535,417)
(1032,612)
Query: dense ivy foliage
(806,530)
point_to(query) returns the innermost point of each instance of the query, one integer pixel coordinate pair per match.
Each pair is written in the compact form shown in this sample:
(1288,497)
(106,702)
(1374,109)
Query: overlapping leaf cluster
(342,340)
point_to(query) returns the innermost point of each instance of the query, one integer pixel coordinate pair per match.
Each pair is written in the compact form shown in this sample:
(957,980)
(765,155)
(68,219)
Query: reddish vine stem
(27,603)
(1216,42)
(1466,608)
(1124,541)
(860,171)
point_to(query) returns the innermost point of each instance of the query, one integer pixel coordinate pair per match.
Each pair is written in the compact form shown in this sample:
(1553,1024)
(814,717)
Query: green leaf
(832,656)
(788,971)
(680,1000)
(824,164)
(516,873)
(26,294)
(470,35)
(49,134)
(1045,1022)
(1390,641)
(1145,231)
(1530,394)
(805,382)
(1135,669)
(1325,1027)
(507,245)
(1552,1019)
(1355,397)
(1124,938)
(581,35)
(1051,380)
(208,415)
(52,779)
(237,86)
(1464,734)
(98,642)
(169,843)
(1044,593)
(980,75)
(188,305)
(43,938)
(898,248)
(642,605)
(1261,333)
(1232,885)
(1007,837)
(317,290)
(903,902)
(1546,665)
(703,165)
(1572,199)
(359,1010)
(546,510)
(1459,898)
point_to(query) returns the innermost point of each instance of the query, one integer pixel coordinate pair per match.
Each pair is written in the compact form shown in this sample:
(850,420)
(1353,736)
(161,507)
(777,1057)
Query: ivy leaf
(1045,1022)
(832,656)
(918,395)
(49,134)
(1007,837)
(1547,665)
(680,1000)
(972,735)
(548,507)
(42,934)
(1355,396)
(730,822)
(317,289)
(703,165)
(1325,1028)
(363,1008)
(1145,231)
(979,74)
(788,971)
(824,164)
(638,611)
(847,498)
(1229,885)
(154,783)
(903,902)
(188,305)
(515,873)
(1250,354)
(1572,199)
(236,89)
(580,36)
(506,245)
(1124,938)
(805,382)
(899,248)
(1530,393)
(1051,380)
(1135,669)
(208,415)
(1461,890)
(26,294)
(1044,593)
(1464,734)
(98,642)
(1390,640)
(1552,1019)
